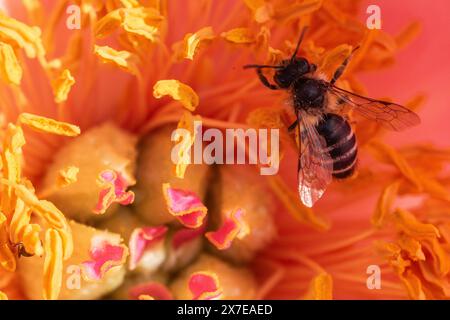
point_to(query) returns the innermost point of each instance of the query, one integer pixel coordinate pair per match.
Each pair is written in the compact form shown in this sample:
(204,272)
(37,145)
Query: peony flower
(135,70)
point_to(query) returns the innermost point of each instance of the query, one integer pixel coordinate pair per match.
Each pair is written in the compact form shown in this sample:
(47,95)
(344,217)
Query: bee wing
(391,115)
(315,166)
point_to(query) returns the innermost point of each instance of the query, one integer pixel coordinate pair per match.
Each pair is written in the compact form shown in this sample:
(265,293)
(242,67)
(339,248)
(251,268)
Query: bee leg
(292,126)
(339,71)
(264,80)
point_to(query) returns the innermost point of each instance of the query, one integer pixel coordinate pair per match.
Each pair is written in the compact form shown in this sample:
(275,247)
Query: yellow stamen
(384,204)
(388,154)
(320,288)
(21,35)
(413,286)
(31,239)
(47,125)
(193,41)
(10,69)
(62,85)
(138,21)
(412,247)
(178,91)
(122,59)
(239,35)
(53,264)
(413,227)
(262,10)
(187,123)
(290,201)
(3,296)
(67,176)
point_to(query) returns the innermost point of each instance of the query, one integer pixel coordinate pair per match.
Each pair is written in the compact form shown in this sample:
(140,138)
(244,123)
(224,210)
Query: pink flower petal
(114,187)
(183,236)
(185,206)
(233,227)
(204,286)
(142,239)
(155,290)
(104,256)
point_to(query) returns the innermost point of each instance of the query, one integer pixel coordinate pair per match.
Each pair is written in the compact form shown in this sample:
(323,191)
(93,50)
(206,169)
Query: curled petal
(233,227)
(178,91)
(43,124)
(154,290)
(204,286)
(141,239)
(114,187)
(104,256)
(185,206)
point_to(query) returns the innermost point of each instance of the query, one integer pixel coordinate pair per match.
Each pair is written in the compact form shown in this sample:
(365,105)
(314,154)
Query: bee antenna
(260,66)
(299,42)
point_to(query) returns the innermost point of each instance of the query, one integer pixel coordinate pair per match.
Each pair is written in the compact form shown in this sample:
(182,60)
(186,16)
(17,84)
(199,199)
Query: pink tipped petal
(185,206)
(114,187)
(233,227)
(204,286)
(142,239)
(185,235)
(104,256)
(155,290)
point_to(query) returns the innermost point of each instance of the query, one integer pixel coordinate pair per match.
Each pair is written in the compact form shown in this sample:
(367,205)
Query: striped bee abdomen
(341,144)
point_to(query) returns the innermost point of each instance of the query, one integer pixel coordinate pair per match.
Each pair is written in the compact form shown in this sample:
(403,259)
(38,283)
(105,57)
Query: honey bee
(328,146)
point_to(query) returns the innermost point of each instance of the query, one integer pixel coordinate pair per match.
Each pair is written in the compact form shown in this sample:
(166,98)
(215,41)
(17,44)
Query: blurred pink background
(422,67)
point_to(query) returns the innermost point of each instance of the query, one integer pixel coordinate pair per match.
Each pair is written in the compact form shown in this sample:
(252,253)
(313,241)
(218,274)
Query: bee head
(291,70)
